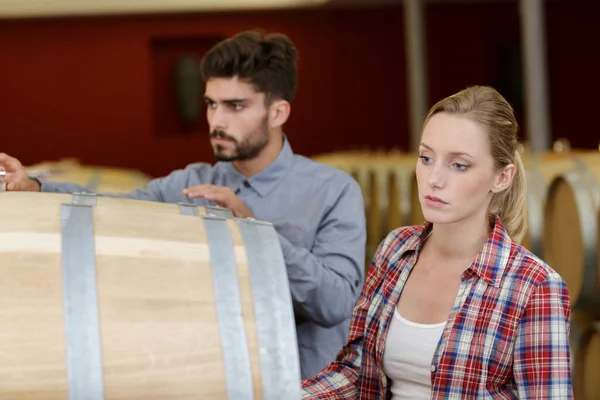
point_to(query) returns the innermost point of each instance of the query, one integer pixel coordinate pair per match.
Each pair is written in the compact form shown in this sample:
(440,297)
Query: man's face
(237,117)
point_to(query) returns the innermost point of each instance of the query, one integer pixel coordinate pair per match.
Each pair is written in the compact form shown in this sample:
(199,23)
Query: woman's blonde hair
(487,107)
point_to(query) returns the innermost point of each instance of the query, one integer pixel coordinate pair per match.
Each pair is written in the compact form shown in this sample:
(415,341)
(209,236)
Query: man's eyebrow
(235,101)
(227,101)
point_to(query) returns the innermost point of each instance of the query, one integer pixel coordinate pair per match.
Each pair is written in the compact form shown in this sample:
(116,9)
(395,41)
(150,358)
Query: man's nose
(217,119)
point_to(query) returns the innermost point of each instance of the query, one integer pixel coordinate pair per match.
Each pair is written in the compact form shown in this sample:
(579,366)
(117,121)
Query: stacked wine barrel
(101,179)
(563,217)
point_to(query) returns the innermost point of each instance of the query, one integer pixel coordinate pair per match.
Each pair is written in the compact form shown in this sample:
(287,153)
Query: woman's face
(455,171)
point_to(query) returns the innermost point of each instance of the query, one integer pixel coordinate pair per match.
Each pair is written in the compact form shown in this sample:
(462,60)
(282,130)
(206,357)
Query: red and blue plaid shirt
(507,335)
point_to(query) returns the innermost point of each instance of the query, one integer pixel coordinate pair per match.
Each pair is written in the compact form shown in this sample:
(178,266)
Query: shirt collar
(266,180)
(489,264)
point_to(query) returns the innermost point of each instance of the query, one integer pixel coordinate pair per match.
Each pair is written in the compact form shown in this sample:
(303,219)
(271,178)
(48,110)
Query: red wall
(98,88)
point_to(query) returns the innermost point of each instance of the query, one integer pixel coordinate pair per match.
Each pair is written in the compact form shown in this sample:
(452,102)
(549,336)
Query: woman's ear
(503,179)
(279,113)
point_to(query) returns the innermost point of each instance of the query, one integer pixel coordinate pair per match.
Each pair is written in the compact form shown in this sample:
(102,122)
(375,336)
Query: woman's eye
(425,159)
(461,167)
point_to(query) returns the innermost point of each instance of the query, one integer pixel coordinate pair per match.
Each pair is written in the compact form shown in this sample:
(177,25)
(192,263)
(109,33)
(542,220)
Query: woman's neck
(461,240)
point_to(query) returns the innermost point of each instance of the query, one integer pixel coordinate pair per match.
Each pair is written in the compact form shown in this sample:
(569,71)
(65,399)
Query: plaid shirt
(507,335)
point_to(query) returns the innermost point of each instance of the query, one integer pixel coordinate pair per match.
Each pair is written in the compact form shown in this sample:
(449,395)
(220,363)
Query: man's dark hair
(267,61)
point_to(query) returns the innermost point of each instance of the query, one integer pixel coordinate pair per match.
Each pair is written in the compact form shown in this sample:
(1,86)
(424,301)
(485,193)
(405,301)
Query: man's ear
(504,178)
(279,113)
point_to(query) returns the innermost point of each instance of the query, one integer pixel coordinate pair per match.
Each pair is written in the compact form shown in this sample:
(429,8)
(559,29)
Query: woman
(455,308)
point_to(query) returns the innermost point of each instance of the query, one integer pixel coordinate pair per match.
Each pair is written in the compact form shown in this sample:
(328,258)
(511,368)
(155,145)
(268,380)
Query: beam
(535,74)
(416,72)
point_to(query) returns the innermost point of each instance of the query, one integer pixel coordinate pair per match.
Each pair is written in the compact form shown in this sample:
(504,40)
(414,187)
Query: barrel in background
(541,169)
(570,235)
(585,352)
(100,179)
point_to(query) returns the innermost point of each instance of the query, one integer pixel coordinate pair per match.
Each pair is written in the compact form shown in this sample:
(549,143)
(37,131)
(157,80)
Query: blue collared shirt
(318,213)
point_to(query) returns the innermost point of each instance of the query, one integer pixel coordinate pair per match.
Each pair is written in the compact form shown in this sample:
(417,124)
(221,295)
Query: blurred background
(89,92)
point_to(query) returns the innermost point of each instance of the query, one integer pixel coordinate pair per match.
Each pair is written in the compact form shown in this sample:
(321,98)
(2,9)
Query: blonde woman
(455,308)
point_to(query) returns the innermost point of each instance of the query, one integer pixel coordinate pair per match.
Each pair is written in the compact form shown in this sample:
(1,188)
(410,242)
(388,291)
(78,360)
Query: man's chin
(225,157)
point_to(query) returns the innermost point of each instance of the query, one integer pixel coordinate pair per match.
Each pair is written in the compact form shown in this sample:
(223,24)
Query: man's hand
(13,176)
(221,195)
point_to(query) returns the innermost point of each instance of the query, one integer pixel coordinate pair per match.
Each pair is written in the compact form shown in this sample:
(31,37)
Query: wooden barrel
(101,179)
(47,168)
(570,234)
(541,169)
(104,298)
(384,179)
(586,375)
(389,205)
(401,172)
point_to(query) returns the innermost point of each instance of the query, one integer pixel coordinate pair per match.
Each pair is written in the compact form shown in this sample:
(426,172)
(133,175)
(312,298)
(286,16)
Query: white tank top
(409,349)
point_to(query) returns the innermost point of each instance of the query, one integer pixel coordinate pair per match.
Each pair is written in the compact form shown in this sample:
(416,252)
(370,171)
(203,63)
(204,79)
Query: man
(316,210)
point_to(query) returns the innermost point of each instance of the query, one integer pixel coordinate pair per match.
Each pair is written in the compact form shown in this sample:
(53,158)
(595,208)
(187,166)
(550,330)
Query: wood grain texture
(158,320)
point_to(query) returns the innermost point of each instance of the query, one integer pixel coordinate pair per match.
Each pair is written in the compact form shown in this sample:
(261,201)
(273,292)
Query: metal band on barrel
(188,209)
(211,211)
(218,211)
(84,198)
(589,233)
(535,196)
(590,180)
(587,189)
(229,310)
(80,296)
(238,372)
(275,324)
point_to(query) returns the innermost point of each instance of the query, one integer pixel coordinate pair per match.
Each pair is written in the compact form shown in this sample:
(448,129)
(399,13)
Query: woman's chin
(438,216)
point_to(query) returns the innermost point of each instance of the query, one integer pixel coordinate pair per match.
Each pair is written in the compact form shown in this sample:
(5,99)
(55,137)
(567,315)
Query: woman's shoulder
(531,269)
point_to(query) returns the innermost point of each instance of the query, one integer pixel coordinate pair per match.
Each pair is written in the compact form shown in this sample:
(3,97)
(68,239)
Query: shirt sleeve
(166,189)
(542,356)
(325,282)
(153,191)
(338,381)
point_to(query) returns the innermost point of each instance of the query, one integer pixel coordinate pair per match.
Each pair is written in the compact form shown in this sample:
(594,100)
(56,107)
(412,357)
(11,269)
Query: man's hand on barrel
(13,176)
(221,195)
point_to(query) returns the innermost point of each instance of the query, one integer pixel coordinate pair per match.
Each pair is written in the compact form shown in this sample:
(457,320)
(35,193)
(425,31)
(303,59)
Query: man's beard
(247,149)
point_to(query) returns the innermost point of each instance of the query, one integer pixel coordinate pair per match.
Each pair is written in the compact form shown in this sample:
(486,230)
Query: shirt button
(433,368)
(247,184)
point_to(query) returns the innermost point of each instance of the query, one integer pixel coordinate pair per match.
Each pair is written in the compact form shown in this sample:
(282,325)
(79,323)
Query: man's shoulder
(193,171)
(307,167)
